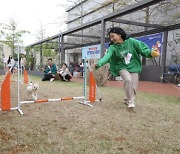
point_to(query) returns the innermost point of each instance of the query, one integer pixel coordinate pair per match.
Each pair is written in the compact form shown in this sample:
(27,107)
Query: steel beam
(88,36)
(136,23)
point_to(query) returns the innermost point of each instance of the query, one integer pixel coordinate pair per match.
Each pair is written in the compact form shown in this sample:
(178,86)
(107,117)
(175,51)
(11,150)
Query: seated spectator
(64,73)
(49,71)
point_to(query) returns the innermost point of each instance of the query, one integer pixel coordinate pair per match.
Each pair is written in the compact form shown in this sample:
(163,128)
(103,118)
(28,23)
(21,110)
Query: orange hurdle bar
(41,101)
(70,98)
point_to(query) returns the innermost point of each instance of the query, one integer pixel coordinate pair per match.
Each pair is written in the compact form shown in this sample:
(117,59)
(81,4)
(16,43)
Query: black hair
(49,59)
(9,59)
(118,30)
(64,64)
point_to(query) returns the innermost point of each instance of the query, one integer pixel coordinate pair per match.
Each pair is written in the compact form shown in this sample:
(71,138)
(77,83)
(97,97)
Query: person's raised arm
(105,59)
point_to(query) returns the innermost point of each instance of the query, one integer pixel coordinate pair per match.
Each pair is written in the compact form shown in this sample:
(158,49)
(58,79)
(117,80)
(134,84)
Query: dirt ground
(68,127)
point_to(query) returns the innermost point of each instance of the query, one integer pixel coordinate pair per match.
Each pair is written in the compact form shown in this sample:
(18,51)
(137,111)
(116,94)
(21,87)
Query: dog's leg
(34,96)
(29,96)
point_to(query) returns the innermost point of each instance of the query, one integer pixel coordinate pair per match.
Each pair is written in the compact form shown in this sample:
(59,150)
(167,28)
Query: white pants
(130,84)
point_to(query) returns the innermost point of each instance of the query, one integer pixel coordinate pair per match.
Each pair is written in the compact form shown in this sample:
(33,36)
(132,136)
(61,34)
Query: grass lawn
(68,127)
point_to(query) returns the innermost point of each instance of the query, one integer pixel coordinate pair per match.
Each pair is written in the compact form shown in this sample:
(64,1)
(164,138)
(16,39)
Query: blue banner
(153,41)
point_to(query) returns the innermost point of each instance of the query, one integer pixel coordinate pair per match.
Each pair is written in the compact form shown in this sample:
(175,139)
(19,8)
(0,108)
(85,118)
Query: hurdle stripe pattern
(52,100)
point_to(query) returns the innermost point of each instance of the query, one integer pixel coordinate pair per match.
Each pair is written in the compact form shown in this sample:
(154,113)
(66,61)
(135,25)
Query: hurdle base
(20,111)
(86,103)
(14,108)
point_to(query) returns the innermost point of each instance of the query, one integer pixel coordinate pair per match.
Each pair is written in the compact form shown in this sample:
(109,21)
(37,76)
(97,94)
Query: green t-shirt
(118,54)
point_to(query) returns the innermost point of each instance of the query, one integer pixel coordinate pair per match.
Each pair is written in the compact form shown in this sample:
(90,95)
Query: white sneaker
(52,79)
(178,85)
(131,104)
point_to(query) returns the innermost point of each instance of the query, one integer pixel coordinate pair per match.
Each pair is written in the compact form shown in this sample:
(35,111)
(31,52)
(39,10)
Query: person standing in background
(10,63)
(23,61)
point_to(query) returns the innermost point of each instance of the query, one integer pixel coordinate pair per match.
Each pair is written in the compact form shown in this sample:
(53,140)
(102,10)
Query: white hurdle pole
(21,73)
(19,109)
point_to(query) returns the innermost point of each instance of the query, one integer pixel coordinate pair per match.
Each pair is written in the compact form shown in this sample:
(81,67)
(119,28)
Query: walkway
(146,86)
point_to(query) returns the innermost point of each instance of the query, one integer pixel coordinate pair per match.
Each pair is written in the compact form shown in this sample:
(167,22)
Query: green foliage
(48,53)
(37,48)
(11,34)
(27,49)
(48,50)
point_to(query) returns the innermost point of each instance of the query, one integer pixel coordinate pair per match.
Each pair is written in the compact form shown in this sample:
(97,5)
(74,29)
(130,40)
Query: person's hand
(42,69)
(155,53)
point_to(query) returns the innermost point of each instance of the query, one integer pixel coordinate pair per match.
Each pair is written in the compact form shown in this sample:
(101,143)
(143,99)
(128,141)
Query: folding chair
(172,75)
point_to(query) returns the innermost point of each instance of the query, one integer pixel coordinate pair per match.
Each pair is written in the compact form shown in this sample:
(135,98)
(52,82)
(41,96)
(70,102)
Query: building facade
(84,11)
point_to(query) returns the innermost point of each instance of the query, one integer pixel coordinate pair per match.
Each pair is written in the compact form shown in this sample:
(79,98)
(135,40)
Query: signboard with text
(91,52)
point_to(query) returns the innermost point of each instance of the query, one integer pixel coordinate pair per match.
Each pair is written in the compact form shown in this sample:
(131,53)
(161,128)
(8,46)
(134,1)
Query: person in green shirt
(49,71)
(124,56)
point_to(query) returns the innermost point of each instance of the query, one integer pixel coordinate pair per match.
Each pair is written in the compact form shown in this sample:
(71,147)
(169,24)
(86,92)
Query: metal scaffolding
(72,38)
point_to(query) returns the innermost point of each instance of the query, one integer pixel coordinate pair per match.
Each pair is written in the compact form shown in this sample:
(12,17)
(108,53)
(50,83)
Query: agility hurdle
(5,90)
(5,95)
(6,105)
(92,92)
(92,86)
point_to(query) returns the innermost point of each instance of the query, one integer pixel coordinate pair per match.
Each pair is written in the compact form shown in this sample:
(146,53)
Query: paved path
(146,86)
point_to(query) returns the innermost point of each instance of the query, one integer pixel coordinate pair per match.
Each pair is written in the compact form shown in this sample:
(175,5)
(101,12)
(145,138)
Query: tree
(11,35)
